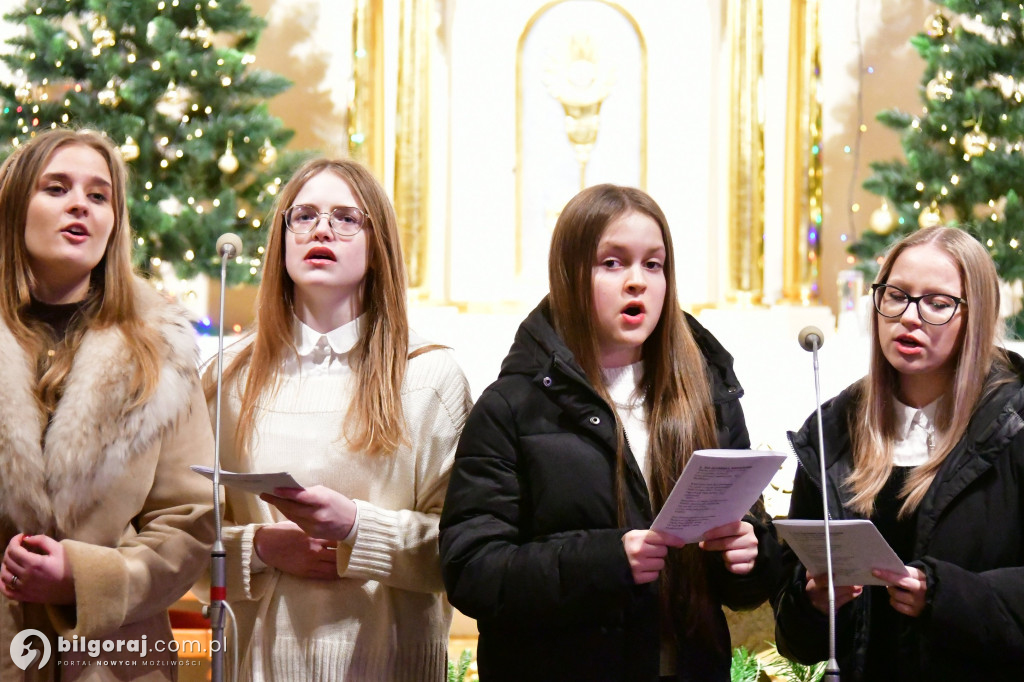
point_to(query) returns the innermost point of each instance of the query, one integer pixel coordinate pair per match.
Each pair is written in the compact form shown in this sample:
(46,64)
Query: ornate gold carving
(411,139)
(366,106)
(746,182)
(580,82)
(803,196)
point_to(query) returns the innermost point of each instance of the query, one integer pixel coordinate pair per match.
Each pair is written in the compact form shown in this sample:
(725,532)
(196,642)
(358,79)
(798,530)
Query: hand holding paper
(737,543)
(717,487)
(857,548)
(321,512)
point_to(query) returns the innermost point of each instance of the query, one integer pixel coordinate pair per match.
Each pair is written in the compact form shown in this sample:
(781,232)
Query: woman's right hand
(817,592)
(646,551)
(287,548)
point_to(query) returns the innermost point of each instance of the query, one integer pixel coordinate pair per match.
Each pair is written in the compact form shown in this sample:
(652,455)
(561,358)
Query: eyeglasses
(345,221)
(935,309)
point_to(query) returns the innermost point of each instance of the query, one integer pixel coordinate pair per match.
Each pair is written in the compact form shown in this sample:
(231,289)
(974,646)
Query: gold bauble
(173,103)
(268,153)
(24,93)
(108,96)
(1007,85)
(202,33)
(937,25)
(102,36)
(882,219)
(930,217)
(938,90)
(130,149)
(228,163)
(975,142)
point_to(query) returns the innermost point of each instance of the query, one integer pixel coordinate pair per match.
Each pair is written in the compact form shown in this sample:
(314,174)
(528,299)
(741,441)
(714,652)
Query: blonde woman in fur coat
(102,524)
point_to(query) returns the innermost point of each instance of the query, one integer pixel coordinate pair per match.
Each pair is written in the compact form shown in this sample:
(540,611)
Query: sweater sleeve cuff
(251,561)
(370,556)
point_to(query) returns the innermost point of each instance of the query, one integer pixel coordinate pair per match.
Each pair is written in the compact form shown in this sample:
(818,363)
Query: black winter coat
(969,541)
(530,544)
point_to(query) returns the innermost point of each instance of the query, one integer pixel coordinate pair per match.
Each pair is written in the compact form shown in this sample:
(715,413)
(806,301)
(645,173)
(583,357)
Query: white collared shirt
(915,434)
(323,353)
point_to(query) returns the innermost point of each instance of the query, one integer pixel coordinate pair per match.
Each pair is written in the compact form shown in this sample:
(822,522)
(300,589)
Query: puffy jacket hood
(537,348)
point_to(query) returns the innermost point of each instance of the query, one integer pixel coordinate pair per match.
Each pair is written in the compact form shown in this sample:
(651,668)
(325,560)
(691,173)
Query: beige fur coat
(112,483)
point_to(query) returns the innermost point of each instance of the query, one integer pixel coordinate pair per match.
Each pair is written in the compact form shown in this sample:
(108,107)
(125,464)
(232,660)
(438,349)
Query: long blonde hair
(873,428)
(110,300)
(681,416)
(375,422)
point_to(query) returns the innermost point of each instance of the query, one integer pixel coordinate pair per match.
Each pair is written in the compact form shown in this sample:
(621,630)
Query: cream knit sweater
(387,618)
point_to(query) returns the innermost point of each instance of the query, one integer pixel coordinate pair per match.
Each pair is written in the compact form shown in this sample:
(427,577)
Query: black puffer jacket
(969,541)
(530,545)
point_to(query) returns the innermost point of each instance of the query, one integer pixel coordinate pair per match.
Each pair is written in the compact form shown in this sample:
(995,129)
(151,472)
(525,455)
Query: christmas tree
(964,157)
(172,84)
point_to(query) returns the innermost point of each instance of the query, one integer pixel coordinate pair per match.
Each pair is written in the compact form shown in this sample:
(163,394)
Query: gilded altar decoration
(804,193)
(746,195)
(581,82)
(412,136)
(366,95)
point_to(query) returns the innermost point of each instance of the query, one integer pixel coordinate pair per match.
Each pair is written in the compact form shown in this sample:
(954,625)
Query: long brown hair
(375,422)
(680,413)
(874,427)
(110,300)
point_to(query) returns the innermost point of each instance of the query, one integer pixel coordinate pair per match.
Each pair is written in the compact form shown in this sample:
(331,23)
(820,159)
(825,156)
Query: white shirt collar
(915,434)
(908,417)
(340,340)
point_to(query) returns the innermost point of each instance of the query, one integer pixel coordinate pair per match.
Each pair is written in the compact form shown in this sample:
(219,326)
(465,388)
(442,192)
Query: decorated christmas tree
(963,152)
(172,83)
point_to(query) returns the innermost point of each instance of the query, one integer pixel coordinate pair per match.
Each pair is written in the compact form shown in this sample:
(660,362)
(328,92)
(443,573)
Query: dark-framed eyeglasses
(345,221)
(935,309)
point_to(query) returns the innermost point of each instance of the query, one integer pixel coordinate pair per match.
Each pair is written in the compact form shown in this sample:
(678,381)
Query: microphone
(229,245)
(811,339)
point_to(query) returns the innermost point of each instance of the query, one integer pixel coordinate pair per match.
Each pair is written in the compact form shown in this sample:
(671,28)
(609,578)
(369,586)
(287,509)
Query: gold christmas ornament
(1007,85)
(937,25)
(108,96)
(930,217)
(882,219)
(102,36)
(23,93)
(938,90)
(202,32)
(130,149)
(975,142)
(174,102)
(228,163)
(268,153)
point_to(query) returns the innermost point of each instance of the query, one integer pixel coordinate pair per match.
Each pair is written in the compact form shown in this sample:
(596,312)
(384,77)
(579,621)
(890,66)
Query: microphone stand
(832,667)
(218,580)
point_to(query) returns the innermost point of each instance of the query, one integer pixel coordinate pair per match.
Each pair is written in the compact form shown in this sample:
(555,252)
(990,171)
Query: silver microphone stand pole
(228,246)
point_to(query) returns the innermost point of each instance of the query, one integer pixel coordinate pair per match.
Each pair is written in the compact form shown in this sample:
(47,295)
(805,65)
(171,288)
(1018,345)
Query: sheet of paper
(254,483)
(857,547)
(715,488)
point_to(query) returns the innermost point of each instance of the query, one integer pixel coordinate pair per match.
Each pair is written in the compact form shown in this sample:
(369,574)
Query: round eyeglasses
(935,309)
(345,221)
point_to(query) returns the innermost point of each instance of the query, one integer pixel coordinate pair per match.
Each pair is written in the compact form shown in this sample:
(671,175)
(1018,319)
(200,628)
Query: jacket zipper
(800,464)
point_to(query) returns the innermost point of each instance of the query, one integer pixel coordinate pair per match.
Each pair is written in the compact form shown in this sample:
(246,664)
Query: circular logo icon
(22,652)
